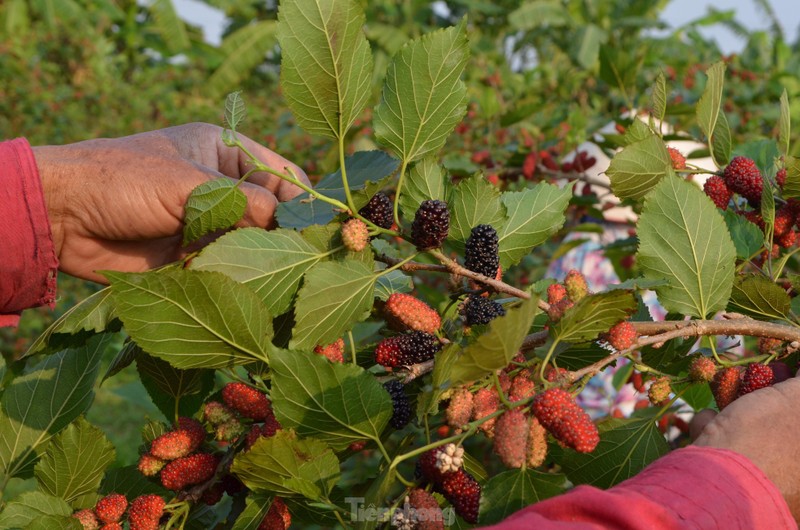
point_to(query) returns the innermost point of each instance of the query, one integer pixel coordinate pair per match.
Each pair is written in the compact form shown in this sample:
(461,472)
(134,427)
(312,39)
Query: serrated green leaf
(495,348)
(336,403)
(759,297)
(626,447)
(747,237)
(423,96)
(393,282)
(784,125)
(575,357)
(174,391)
(29,507)
(192,319)
(130,482)
(791,189)
(213,205)
(285,465)
(55,522)
(708,108)
(334,297)
(592,315)
(256,507)
(367,172)
(326,63)
(234,109)
(683,239)
(532,216)
(46,398)
(92,314)
(721,141)
(270,263)
(473,202)
(658,97)
(513,490)
(697,396)
(537,13)
(637,169)
(426,180)
(74,462)
(637,131)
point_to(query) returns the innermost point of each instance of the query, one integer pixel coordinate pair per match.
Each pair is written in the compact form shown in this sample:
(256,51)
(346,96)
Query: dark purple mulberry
(481,251)
(379,211)
(406,349)
(431,223)
(401,414)
(479,310)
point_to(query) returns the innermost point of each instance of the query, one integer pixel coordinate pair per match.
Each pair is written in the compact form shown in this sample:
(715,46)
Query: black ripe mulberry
(481,251)
(407,349)
(402,408)
(479,310)
(431,223)
(379,211)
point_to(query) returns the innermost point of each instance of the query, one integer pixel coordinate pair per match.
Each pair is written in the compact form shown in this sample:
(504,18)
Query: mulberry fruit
(478,310)
(215,413)
(149,466)
(756,376)
(659,390)
(536,450)
(87,519)
(229,431)
(247,401)
(522,387)
(407,349)
(575,284)
(379,211)
(464,494)
(486,402)
(743,177)
(110,508)
(401,407)
(431,224)
(725,386)
(558,412)
(676,158)
(189,470)
(702,369)
(355,235)
(622,336)
(427,469)
(406,312)
(780,177)
(718,192)
(145,512)
(333,351)
(265,430)
(555,293)
(511,438)
(278,516)
(481,251)
(172,445)
(459,411)
(784,220)
(426,513)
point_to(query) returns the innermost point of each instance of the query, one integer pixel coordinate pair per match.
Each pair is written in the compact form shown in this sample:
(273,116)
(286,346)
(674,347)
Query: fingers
(261,205)
(699,422)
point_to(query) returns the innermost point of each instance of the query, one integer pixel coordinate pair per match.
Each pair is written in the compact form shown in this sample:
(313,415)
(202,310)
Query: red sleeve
(694,487)
(28,262)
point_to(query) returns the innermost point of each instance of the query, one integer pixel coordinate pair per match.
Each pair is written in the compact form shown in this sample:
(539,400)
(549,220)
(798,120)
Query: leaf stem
(351,206)
(397,192)
(547,360)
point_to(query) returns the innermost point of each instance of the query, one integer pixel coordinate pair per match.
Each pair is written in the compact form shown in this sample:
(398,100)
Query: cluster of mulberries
(245,403)
(562,297)
(443,467)
(401,407)
(144,513)
(406,349)
(734,381)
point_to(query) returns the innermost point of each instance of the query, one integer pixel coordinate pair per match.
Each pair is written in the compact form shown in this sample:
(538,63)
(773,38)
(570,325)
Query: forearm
(28,262)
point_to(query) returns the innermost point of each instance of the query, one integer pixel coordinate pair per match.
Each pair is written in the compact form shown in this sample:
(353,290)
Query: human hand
(119,203)
(764,427)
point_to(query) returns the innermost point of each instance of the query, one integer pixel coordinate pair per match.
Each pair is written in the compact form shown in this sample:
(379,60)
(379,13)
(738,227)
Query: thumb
(699,422)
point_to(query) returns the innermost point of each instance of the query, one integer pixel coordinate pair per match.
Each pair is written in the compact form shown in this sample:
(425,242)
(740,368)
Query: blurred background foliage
(545,75)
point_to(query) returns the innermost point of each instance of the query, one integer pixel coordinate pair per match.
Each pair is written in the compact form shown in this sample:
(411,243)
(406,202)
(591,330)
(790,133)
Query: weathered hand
(119,203)
(764,427)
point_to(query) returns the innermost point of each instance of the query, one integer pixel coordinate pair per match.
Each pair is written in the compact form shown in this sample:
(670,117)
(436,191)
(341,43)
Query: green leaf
(708,108)
(513,490)
(626,447)
(234,110)
(683,239)
(658,97)
(170,25)
(426,180)
(428,401)
(336,403)
(721,141)
(637,131)
(784,125)
(213,205)
(256,507)
(586,45)
(55,522)
(74,462)
(791,190)
(270,263)
(747,237)
(637,169)
(759,297)
(130,482)
(377,495)
(124,358)
(367,172)
(393,282)
(537,13)
(174,391)
(532,216)
(30,506)
(192,319)
(495,348)
(423,96)
(334,297)
(92,314)
(326,63)
(46,398)
(592,315)
(473,202)
(281,463)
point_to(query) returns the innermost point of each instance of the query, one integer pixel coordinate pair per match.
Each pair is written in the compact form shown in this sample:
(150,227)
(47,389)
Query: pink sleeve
(694,487)
(28,262)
